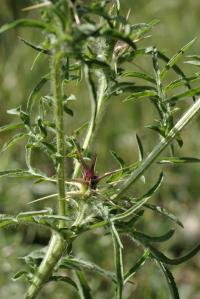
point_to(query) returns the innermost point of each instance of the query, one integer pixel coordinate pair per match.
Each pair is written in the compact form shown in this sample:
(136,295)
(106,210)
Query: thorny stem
(183,121)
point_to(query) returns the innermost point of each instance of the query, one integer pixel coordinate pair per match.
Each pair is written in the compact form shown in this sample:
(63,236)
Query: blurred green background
(179,23)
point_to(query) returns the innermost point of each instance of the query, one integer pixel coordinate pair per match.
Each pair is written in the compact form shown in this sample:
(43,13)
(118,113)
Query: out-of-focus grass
(179,24)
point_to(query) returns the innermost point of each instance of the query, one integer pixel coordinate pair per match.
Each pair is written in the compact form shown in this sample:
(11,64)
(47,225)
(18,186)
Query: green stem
(56,245)
(51,258)
(57,91)
(185,119)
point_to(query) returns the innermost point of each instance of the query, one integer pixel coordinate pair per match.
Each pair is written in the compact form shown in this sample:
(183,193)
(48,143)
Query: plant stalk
(56,245)
(183,121)
(57,91)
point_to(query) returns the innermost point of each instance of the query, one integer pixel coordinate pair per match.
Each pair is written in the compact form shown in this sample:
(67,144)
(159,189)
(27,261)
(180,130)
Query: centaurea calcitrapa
(89,42)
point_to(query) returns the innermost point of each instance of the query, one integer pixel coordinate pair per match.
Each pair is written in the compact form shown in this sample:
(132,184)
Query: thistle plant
(93,44)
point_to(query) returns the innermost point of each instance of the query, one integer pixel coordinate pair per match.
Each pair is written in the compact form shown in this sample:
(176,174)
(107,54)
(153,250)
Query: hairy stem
(183,121)
(56,245)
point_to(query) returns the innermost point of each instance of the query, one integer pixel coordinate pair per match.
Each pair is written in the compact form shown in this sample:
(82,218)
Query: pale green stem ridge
(183,121)
(56,245)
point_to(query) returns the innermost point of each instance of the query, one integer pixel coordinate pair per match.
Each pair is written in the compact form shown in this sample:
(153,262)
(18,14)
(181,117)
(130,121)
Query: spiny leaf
(130,87)
(119,160)
(178,160)
(144,29)
(33,213)
(42,128)
(22,114)
(175,58)
(140,148)
(162,56)
(139,75)
(13,140)
(66,279)
(193,62)
(189,93)
(140,94)
(170,281)
(71,262)
(37,48)
(140,262)
(11,127)
(164,212)
(34,94)
(19,275)
(68,110)
(16,173)
(118,36)
(118,260)
(83,288)
(155,187)
(6,220)
(181,82)
(130,223)
(141,236)
(140,202)
(164,259)
(27,23)
(131,210)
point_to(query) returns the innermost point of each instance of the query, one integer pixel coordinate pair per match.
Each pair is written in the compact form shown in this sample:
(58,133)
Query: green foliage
(91,44)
